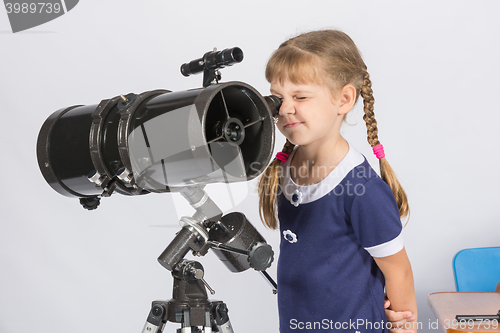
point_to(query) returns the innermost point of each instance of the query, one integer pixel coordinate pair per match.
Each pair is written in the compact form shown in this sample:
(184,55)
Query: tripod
(189,304)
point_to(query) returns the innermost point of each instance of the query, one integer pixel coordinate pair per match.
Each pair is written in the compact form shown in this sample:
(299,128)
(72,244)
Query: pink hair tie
(378,150)
(282,156)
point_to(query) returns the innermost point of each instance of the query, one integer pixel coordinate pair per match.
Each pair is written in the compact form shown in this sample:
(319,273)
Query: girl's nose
(287,107)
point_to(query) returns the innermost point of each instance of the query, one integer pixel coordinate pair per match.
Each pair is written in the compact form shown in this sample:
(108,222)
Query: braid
(369,116)
(386,172)
(288,147)
(268,189)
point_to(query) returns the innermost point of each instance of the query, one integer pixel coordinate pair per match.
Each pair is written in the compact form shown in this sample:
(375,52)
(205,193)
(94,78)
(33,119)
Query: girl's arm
(399,283)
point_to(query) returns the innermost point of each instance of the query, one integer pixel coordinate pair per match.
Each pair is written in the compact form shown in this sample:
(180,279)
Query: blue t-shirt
(327,278)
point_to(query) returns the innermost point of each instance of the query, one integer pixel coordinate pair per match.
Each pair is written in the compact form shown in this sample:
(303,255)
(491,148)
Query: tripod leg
(186,324)
(222,319)
(155,321)
(208,322)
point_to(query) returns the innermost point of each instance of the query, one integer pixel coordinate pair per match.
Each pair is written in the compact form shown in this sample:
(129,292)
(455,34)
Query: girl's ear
(347,98)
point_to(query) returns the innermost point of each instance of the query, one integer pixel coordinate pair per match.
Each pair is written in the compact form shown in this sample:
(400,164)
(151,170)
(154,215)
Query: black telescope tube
(213,60)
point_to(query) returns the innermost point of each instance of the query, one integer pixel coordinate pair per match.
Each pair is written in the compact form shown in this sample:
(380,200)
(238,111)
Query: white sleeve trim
(387,249)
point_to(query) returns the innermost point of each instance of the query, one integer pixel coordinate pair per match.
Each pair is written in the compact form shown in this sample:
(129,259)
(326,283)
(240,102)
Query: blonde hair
(323,57)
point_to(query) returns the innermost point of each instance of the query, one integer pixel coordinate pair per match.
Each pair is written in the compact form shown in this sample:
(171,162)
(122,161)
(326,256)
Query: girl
(340,222)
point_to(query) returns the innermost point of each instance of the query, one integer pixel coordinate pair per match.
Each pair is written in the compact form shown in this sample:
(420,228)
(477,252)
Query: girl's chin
(294,139)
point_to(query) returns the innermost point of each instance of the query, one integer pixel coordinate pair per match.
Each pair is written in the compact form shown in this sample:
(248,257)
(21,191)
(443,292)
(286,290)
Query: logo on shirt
(290,236)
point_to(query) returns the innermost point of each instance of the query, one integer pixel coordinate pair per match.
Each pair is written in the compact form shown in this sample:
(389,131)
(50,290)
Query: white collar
(298,194)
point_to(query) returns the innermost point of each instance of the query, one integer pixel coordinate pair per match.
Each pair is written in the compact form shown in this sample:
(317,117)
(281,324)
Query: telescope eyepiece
(274,104)
(228,57)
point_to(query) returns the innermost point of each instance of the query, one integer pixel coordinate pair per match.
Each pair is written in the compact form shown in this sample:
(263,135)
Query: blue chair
(477,269)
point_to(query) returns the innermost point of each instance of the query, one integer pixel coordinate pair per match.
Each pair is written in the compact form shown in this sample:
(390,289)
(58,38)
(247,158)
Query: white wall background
(434,67)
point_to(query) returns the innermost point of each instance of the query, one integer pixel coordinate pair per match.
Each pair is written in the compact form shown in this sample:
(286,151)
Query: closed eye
(278,96)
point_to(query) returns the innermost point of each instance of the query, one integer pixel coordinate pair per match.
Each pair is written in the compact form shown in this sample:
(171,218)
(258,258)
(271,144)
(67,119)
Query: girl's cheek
(281,129)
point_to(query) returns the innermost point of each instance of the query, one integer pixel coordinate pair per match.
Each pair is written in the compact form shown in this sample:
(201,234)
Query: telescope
(164,141)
